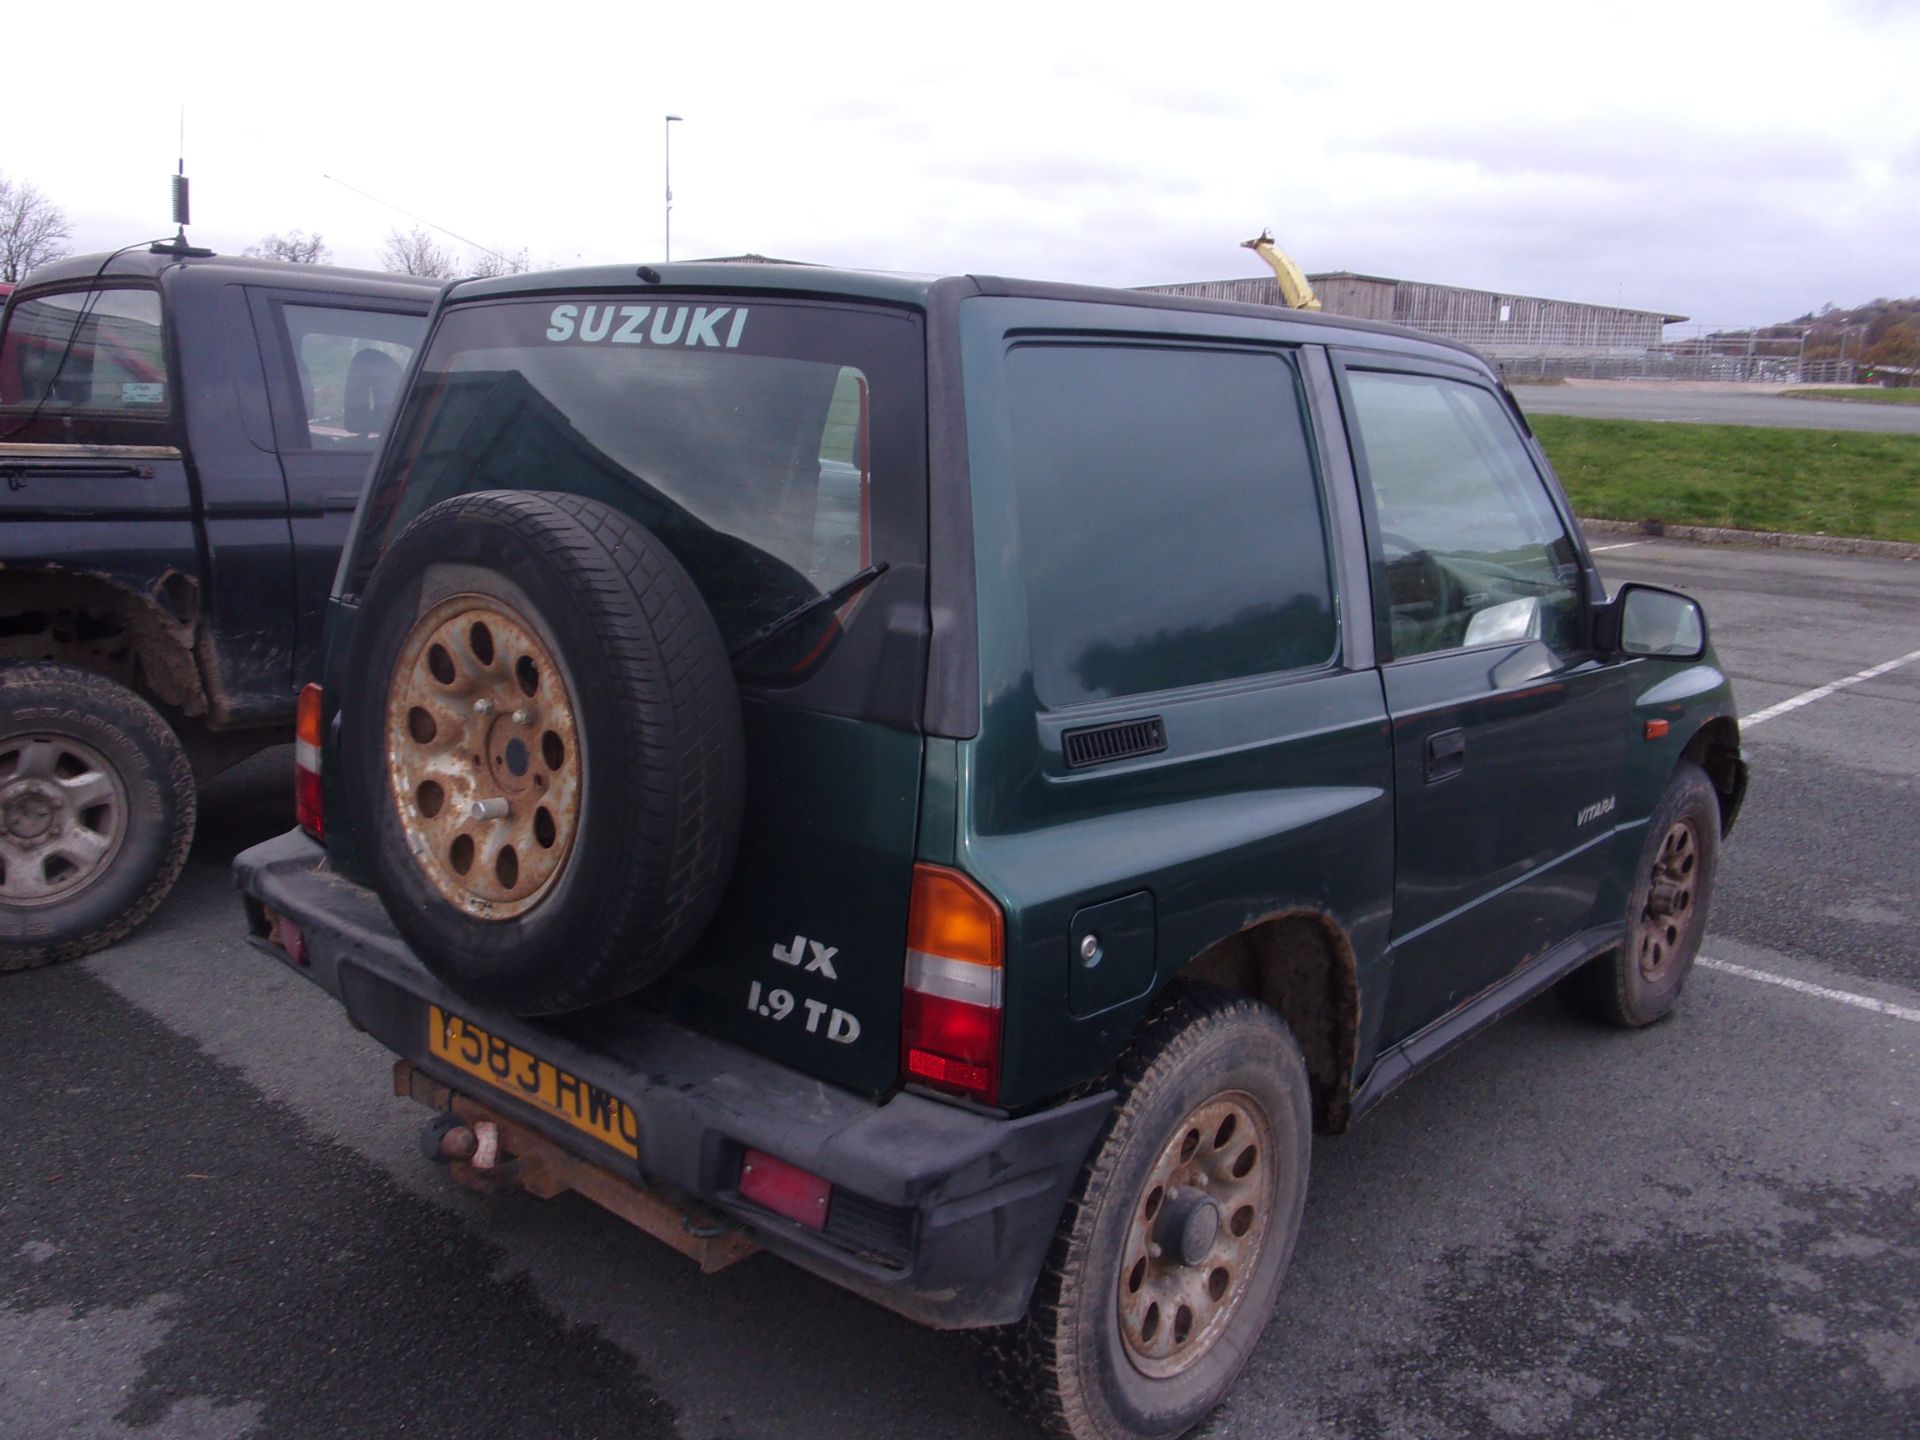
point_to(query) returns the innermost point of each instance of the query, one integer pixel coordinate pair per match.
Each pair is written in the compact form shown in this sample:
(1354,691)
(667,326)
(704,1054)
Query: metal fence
(1776,359)
(1668,365)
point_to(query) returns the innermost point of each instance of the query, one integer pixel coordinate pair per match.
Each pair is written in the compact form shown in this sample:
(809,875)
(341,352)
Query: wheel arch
(144,640)
(1301,964)
(1715,748)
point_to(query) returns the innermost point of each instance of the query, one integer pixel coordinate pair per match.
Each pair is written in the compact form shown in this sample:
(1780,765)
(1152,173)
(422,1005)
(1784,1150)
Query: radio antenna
(182,207)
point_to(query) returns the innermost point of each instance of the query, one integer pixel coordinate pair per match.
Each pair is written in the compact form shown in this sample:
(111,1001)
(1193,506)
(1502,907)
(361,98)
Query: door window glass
(349,364)
(1472,549)
(86,350)
(1170,518)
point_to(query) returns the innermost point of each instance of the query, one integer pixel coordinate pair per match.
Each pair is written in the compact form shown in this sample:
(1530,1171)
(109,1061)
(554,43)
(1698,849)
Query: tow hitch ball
(450,1140)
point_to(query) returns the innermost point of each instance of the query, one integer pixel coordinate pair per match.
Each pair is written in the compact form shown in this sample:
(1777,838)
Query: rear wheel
(546,749)
(1640,982)
(97,808)
(1168,1260)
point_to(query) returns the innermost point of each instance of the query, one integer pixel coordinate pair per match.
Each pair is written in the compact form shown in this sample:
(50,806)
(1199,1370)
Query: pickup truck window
(1470,546)
(350,364)
(98,352)
(1170,516)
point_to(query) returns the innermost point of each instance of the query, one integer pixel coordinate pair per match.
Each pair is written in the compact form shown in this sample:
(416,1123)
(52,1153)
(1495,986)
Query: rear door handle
(1446,755)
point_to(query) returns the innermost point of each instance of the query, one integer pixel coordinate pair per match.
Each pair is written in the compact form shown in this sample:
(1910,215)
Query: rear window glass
(1170,519)
(774,447)
(349,364)
(98,353)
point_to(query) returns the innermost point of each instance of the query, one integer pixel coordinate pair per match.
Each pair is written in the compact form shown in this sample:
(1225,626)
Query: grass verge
(1873,396)
(1814,482)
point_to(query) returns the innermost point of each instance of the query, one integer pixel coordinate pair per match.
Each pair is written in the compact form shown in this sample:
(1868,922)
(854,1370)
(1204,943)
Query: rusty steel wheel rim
(1672,889)
(484,756)
(1196,1234)
(63,817)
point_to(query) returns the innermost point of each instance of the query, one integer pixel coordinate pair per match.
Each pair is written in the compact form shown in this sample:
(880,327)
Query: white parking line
(1820,692)
(1844,997)
(1623,545)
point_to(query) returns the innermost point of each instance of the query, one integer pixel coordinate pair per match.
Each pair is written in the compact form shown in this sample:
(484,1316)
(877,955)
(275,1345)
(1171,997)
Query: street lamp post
(669,174)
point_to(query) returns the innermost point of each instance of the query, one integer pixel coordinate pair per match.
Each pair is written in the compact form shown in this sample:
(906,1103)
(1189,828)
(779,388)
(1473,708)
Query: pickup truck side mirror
(1647,620)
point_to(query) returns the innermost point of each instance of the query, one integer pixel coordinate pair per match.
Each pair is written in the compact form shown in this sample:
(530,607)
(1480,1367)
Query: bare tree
(32,228)
(488,263)
(417,253)
(296,245)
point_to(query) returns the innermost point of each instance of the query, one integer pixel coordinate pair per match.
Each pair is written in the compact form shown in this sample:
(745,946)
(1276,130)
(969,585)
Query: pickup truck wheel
(1168,1259)
(97,807)
(1640,982)
(547,751)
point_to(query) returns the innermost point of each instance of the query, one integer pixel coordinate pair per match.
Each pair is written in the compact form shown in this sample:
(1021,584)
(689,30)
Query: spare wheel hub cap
(484,756)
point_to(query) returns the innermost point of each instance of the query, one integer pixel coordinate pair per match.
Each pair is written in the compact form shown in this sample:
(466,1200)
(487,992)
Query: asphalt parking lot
(214,1220)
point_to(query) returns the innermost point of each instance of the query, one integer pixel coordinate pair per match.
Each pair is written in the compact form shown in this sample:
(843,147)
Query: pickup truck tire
(546,750)
(1169,1256)
(97,808)
(1640,981)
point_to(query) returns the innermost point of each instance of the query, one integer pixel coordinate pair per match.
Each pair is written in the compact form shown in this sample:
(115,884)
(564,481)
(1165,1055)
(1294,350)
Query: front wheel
(1165,1269)
(97,808)
(1640,982)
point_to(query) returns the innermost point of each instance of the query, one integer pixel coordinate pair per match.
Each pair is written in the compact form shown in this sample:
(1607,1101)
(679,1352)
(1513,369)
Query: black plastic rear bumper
(948,1213)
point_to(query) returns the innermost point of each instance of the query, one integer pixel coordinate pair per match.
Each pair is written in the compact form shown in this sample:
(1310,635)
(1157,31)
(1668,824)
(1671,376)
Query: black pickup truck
(183,440)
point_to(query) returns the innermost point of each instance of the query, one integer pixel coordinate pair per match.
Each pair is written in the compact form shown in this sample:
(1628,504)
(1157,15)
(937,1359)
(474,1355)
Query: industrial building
(1496,324)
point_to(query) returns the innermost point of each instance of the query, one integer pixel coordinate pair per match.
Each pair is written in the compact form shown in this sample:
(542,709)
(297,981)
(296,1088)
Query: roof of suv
(899,288)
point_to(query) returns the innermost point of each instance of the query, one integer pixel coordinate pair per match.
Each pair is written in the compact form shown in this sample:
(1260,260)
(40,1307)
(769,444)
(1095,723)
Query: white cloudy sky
(1732,162)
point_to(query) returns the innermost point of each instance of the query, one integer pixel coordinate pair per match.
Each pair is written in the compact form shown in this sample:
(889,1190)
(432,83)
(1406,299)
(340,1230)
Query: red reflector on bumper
(784,1189)
(283,932)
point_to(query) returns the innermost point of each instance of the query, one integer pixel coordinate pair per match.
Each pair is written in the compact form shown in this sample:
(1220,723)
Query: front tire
(1168,1259)
(97,808)
(1640,981)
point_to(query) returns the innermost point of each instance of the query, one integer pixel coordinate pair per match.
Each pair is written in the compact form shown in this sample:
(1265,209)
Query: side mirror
(1646,620)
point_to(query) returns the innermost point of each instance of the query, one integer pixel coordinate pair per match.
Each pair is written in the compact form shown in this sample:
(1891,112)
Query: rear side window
(348,364)
(84,364)
(1170,519)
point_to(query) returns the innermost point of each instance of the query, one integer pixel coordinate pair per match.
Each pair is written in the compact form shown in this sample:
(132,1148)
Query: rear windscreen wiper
(832,600)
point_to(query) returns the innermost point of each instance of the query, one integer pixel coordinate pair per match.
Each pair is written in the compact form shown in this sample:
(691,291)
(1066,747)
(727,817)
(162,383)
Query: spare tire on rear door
(542,737)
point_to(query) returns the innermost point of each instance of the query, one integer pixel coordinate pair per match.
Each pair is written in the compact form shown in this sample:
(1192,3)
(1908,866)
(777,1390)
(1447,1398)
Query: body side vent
(1121,740)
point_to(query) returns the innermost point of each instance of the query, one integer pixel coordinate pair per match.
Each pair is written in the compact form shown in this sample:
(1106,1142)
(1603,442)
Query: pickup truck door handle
(17,476)
(1446,755)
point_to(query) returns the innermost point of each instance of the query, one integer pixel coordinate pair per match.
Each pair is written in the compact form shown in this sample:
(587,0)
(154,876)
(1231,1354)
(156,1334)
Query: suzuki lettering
(692,326)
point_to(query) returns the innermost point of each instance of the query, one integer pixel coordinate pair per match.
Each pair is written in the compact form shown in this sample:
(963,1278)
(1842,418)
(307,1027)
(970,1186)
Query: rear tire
(97,809)
(1640,981)
(545,752)
(1170,1255)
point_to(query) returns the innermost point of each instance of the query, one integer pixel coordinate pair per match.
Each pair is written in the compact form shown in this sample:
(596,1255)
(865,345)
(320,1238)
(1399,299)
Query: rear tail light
(308,810)
(950,1012)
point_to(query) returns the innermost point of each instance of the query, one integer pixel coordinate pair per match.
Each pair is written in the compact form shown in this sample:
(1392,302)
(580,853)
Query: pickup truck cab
(957,781)
(183,440)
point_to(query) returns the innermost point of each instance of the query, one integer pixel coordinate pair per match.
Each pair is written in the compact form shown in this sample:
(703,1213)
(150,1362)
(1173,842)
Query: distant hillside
(1882,333)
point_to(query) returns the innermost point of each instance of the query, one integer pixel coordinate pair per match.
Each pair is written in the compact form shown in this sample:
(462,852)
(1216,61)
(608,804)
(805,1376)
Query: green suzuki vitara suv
(957,781)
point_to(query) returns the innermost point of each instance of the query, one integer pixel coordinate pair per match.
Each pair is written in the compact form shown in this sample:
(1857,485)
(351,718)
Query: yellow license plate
(512,1071)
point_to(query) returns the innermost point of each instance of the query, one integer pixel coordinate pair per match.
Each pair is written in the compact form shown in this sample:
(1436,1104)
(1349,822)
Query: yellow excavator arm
(1294,288)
